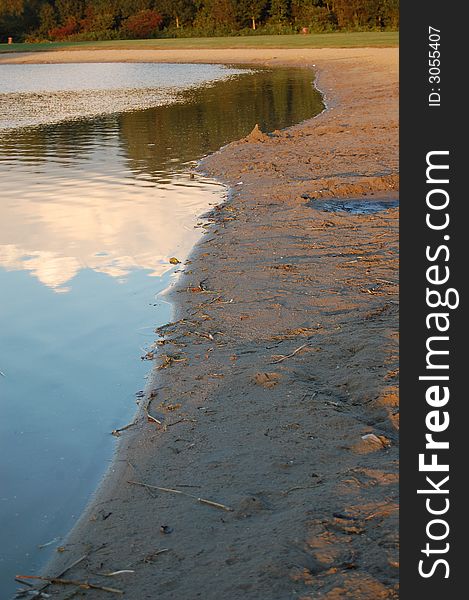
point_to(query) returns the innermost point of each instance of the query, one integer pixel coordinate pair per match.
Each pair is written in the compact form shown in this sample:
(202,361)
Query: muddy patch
(353,206)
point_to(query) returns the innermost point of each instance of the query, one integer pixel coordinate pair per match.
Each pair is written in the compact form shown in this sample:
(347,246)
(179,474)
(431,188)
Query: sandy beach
(264,461)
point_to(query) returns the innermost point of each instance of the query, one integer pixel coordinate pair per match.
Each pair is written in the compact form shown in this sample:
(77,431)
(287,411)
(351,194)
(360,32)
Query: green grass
(315,40)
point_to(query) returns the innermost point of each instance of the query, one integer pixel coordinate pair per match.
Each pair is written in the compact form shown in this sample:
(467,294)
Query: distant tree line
(36,20)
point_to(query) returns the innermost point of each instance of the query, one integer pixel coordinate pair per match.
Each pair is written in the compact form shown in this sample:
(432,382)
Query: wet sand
(274,393)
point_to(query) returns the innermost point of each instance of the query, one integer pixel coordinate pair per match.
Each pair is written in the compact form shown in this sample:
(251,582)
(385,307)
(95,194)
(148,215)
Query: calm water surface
(94,200)
(39,94)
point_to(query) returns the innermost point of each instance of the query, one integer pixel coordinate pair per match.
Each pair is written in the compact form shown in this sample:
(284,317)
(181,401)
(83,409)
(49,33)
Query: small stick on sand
(62,573)
(160,551)
(117,432)
(85,585)
(215,504)
(172,491)
(152,418)
(149,557)
(74,564)
(282,358)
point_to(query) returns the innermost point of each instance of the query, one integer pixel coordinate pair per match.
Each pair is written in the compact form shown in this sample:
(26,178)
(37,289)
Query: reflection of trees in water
(70,139)
(158,139)
(213,116)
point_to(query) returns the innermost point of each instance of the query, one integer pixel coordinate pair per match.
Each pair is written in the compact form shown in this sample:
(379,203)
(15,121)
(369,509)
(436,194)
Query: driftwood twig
(173,491)
(282,358)
(41,589)
(117,432)
(85,585)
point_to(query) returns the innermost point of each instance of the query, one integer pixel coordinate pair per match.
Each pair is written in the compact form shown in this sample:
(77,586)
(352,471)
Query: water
(356,206)
(40,94)
(91,210)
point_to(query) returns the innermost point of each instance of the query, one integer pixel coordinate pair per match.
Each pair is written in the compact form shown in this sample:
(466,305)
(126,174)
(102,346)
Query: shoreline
(314,504)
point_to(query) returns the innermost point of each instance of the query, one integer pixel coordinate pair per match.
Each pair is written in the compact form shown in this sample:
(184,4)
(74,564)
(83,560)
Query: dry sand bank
(284,356)
(302,56)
